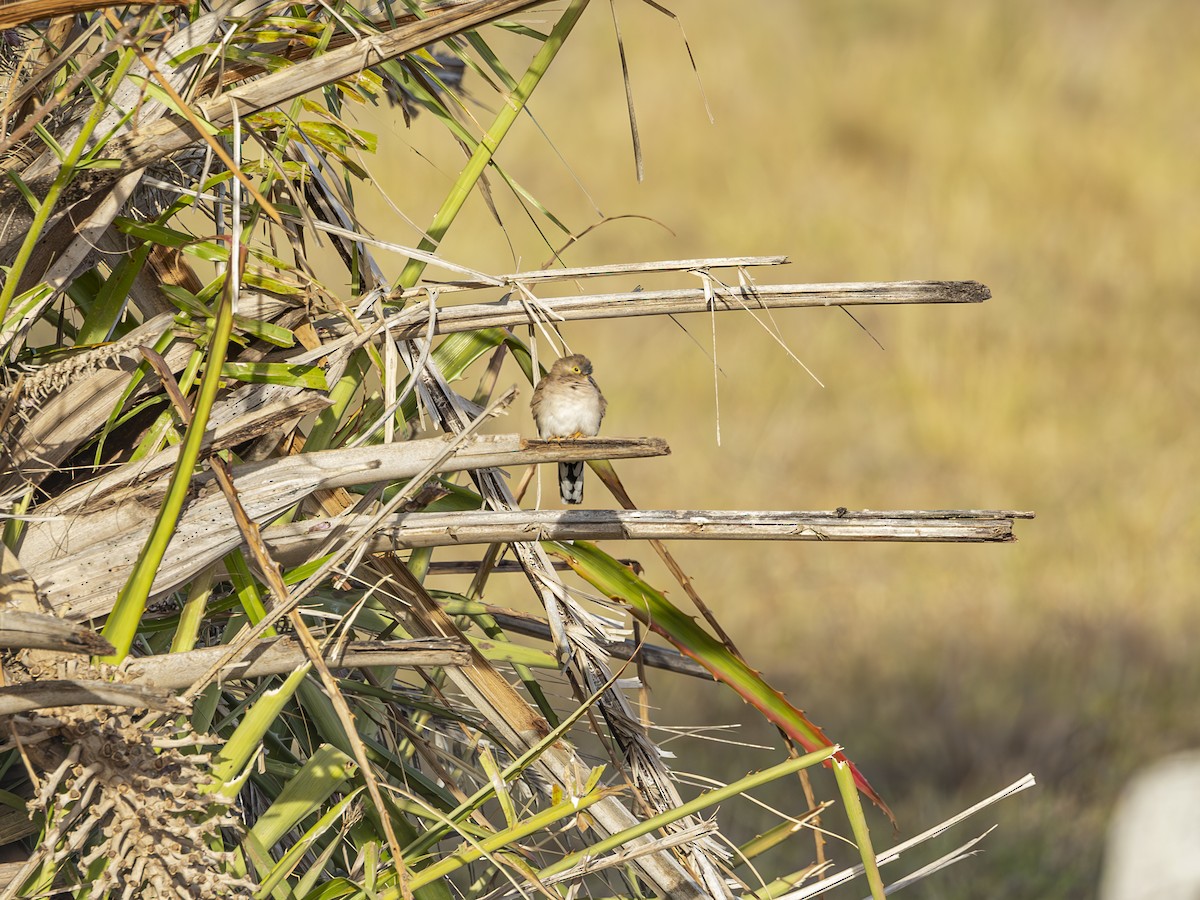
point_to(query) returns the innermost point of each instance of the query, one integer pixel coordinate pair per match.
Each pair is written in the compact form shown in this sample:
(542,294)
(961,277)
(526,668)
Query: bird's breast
(568,412)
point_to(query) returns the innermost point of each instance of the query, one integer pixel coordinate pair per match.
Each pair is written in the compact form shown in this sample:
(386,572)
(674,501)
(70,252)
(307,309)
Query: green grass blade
(316,870)
(163,429)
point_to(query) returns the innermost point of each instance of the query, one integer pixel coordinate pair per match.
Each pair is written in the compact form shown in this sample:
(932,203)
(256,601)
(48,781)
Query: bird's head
(576,364)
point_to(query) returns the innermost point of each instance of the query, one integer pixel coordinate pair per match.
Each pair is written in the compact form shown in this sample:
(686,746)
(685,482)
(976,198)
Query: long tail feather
(570,482)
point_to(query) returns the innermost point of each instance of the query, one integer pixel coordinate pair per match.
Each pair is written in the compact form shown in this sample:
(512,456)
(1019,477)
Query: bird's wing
(600,395)
(539,395)
(535,402)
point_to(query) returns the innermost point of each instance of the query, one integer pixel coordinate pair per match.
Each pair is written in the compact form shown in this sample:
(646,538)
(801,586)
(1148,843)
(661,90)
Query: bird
(567,403)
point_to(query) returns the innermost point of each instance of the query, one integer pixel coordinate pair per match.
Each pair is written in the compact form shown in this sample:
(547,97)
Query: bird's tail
(570,482)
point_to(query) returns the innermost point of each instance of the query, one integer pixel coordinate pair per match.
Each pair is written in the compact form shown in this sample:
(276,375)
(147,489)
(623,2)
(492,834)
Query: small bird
(567,403)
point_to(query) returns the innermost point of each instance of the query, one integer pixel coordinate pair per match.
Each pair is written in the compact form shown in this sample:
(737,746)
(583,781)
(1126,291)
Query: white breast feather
(564,413)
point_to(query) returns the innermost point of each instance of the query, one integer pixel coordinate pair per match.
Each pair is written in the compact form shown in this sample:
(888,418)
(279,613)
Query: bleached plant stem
(469,317)
(418,529)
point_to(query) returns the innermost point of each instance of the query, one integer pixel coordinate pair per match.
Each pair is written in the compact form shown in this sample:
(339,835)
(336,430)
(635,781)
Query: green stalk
(123,622)
(191,617)
(488,144)
(705,800)
(844,776)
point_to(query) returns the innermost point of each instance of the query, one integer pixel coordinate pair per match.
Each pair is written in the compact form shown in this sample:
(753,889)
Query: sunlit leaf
(312,377)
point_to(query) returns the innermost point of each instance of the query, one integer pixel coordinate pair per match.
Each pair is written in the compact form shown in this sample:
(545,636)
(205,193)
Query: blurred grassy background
(1048,150)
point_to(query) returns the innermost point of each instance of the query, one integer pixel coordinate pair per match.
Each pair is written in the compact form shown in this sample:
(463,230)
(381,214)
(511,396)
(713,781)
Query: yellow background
(1049,150)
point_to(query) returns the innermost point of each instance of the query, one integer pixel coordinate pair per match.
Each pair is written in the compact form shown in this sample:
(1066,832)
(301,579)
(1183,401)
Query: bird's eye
(575,369)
